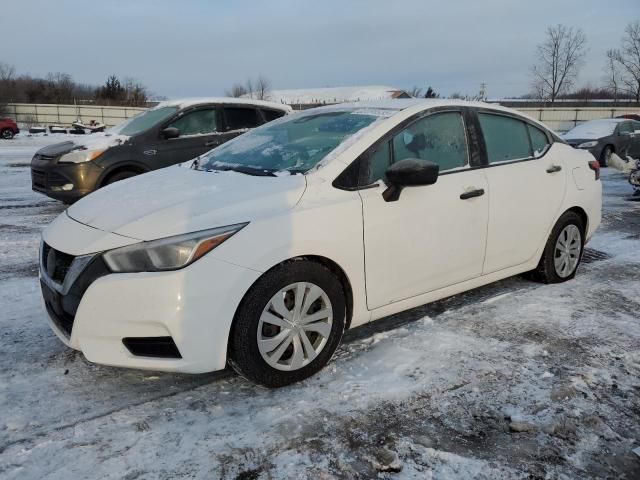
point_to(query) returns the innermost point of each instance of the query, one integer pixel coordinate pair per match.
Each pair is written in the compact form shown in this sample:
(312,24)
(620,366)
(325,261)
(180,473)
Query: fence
(557,118)
(43,114)
(562,119)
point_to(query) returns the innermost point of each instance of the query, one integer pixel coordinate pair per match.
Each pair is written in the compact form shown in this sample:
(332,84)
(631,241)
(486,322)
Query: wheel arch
(324,261)
(122,167)
(582,214)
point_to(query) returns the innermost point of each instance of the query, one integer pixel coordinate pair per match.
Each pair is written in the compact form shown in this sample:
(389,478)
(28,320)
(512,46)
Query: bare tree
(249,87)
(237,90)
(627,59)
(560,57)
(263,88)
(7,72)
(613,75)
(415,92)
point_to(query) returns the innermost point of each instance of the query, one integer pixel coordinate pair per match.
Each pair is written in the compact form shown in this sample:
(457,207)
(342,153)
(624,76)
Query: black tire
(244,355)
(7,134)
(546,270)
(120,176)
(606,155)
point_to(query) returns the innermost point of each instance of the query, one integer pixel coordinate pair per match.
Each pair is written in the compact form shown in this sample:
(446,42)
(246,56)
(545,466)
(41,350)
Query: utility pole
(482,95)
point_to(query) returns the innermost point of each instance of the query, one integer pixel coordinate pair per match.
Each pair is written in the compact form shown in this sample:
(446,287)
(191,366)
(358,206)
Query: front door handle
(472,193)
(554,169)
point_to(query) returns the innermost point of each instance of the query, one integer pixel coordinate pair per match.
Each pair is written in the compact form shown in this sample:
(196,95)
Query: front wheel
(563,250)
(120,176)
(289,324)
(605,156)
(7,134)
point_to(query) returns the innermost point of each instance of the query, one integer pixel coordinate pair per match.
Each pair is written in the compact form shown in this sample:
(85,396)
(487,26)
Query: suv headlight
(81,156)
(588,144)
(169,253)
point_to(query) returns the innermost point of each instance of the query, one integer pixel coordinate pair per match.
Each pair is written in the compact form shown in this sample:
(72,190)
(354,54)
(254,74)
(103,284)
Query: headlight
(587,144)
(169,253)
(81,156)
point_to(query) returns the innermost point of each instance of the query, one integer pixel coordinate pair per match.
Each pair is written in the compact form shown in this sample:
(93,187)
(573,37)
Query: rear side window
(539,140)
(506,138)
(199,122)
(625,127)
(272,114)
(241,118)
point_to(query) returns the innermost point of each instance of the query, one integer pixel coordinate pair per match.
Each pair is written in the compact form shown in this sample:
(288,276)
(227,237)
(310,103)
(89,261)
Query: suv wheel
(289,324)
(606,156)
(7,134)
(120,176)
(563,251)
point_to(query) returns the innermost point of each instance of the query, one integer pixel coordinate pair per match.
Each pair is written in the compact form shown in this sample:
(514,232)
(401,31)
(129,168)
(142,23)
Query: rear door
(240,118)
(433,236)
(526,180)
(199,133)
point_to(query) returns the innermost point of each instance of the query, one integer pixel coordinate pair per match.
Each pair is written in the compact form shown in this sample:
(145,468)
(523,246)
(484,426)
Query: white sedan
(263,251)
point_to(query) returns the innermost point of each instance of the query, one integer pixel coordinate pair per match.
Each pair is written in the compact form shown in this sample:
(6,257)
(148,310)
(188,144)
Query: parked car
(8,128)
(170,133)
(630,116)
(263,251)
(604,137)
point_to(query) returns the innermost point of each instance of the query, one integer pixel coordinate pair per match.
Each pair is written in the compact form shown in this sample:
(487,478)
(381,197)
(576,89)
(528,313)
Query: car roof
(190,102)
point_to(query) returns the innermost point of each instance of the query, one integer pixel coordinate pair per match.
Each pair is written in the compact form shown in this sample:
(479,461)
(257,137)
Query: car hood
(178,200)
(93,141)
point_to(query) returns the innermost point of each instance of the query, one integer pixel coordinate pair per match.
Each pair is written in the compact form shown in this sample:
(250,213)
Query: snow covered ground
(513,380)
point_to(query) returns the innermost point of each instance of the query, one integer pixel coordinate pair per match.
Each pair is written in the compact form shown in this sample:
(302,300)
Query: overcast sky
(197,48)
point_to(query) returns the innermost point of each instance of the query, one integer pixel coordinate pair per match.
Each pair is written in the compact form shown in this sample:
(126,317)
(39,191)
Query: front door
(199,133)
(432,236)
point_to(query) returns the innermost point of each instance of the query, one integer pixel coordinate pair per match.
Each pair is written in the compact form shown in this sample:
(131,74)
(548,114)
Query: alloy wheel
(567,251)
(294,326)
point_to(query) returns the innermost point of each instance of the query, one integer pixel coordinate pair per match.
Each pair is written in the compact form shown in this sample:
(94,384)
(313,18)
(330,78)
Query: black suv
(169,133)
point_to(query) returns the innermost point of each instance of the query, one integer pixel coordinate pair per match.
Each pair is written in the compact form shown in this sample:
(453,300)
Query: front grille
(55,263)
(53,302)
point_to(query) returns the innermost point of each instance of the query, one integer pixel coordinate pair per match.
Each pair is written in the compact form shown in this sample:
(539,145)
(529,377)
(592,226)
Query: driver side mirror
(170,132)
(410,172)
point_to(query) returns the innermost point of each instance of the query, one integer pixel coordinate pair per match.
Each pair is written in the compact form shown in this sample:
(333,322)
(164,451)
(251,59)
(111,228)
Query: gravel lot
(512,380)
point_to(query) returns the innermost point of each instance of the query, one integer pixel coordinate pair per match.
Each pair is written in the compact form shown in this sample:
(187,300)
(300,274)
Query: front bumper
(194,307)
(64,181)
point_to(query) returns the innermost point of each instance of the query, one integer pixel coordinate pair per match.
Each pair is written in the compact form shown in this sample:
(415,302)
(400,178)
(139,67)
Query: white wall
(65,115)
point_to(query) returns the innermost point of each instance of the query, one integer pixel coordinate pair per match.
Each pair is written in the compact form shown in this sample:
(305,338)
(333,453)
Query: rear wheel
(7,134)
(563,250)
(605,156)
(288,325)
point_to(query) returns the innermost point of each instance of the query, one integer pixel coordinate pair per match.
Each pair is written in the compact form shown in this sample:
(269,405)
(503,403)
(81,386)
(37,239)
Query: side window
(506,138)
(378,163)
(272,114)
(439,138)
(539,140)
(199,122)
(635,126)
(241,118)
(625,127)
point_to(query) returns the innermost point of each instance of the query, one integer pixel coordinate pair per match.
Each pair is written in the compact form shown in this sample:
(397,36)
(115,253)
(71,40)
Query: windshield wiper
(257,172)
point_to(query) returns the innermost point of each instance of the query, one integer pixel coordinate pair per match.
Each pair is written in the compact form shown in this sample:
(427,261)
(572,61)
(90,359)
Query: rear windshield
(143,121)
(294,143)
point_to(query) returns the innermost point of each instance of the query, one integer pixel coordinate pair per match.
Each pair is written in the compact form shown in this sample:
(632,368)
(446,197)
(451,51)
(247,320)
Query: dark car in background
(605,137)
(8,128)
(170,133)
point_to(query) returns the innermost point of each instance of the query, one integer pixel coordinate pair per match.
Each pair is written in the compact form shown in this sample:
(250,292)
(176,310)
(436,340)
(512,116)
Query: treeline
(60,88)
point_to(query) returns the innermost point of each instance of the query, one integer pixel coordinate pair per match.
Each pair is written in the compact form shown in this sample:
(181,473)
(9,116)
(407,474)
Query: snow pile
(309,96)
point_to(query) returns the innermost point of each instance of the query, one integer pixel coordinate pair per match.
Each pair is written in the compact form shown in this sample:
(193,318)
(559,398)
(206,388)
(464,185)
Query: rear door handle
(554,169)
(472,193)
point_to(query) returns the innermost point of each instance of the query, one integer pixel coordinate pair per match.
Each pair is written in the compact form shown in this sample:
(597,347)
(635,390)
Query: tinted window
(199,122)
(625,127)
(272,114)
(539,140)
(506,138)
(239,118)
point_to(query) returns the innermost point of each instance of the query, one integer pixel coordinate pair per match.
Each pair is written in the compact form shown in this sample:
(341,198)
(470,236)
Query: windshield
(293,144)
(143,121)
(596,129)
